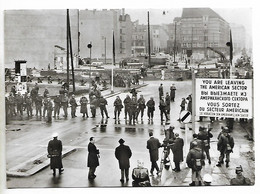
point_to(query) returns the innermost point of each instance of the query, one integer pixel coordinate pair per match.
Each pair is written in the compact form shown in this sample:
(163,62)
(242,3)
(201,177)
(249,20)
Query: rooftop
(199,12)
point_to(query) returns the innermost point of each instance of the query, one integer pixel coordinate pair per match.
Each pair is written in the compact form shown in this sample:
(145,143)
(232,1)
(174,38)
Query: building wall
(32,34)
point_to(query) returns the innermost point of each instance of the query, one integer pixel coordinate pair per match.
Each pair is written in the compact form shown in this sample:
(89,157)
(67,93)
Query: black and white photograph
(121,97)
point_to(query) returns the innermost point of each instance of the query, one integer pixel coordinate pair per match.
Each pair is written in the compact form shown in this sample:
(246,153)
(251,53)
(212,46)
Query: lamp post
(89,46)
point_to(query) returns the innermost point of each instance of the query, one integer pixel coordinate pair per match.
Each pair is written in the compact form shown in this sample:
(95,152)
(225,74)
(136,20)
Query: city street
(28,139)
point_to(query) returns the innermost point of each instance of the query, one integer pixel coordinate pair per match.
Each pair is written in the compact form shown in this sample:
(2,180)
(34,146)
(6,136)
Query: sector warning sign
(224,98)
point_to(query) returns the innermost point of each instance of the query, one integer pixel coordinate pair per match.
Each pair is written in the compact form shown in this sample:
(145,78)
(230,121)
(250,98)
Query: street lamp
(89,46)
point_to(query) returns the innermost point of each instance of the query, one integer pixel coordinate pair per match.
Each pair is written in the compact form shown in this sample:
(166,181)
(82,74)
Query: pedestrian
(64,102)
(102,106)
(141,106)
(38,104)
(12,104)
(74,105)
(45,105)
(57,105)
(93,155)
(34,93)
(160,91)
(189,107)
(123,153)
(133,110)
(49,106)
(177,152)
(83,106)
(28,105)
(240,179)
(46,93)
(93,106)
(140,175)
(168,143)
(162,108)
(118,107)
(150,108)
(172,89)
(225,147)
(195,161)
(168,104)
(205,135)
(127,101)
(183,104)
(19,104)
(55,154)
(153,145)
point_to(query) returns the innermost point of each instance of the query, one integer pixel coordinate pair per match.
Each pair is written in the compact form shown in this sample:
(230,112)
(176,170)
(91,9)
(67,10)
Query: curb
(17,171)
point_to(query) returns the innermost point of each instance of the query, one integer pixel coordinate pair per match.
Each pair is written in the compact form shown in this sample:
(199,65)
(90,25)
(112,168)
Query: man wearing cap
(102,105)
(55,154)
(177,152)
(240,179)
(123,153)
(225,147)
(93,155)
(153,145)
(74,105)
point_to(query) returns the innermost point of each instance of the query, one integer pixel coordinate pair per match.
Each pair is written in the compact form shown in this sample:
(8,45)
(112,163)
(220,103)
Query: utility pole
(68,77)
(174,42)
(149,47)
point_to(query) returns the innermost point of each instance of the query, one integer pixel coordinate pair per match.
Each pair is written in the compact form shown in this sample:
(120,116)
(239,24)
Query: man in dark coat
(118,107)
(160,91)
(153,144)
(225,147)
(55,154)
(177,152)
(150,108)
(168,103)
(123,153)
(162,107)
(195,161)
(172,88)
(93,155)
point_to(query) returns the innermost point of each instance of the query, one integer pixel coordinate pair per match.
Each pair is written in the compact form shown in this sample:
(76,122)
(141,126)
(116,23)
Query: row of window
(201,45)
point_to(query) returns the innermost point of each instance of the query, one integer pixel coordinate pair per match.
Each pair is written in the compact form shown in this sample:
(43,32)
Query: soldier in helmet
(74,105)
(57,105)
(38,104)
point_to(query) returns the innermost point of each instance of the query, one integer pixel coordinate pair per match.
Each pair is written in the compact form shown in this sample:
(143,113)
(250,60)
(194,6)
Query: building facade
(202,28)
(238,37)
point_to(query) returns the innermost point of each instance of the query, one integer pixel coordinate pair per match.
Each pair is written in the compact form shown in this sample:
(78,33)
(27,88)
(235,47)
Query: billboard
(231,98)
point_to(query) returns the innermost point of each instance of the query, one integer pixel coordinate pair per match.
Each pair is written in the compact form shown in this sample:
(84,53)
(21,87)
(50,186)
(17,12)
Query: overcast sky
(241,16)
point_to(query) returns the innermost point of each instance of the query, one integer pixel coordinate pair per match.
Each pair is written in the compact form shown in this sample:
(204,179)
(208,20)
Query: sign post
(185,117)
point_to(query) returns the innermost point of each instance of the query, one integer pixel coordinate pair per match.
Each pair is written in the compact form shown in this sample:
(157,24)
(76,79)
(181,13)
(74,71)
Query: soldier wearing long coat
(141,106)
(123,153)
(83,108)
(177,152)
(150,108)
(38,104)
(49,110)
(172,94)
(74,105)
(55,154)
(127,101)
(118,107)
(93,155)
(133,110)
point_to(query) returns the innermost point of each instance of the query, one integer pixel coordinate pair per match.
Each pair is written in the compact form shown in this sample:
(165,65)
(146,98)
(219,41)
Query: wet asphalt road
(34,135)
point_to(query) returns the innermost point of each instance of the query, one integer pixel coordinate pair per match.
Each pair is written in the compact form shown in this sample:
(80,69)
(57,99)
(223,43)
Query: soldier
(183,103)
(205,136)
(162,107)
(12,102)
(83,106)
(118,106)
(55,154)
(240,179)
(133,110)
(168,104)
(65,103)
(177,151)
(195,161)
(57,105)
(45,105)
(195,139)
(127,101)
(172,88)
(91,94)
(49,110)
(38,104)
(225,147)
(19,104)
(28,104)
(160,91)
(133,92)
(93,106)
(150,108)
(141,106)
(102,105)
(74,105)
